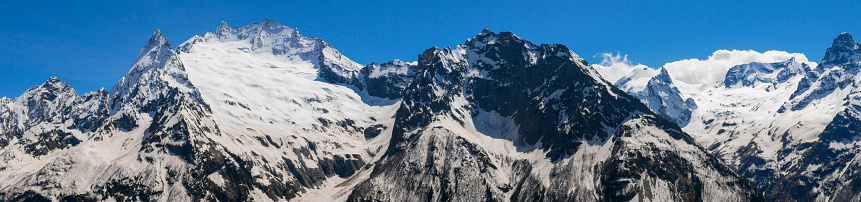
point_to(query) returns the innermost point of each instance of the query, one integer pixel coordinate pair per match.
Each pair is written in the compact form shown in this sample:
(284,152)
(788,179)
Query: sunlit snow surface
(257,93)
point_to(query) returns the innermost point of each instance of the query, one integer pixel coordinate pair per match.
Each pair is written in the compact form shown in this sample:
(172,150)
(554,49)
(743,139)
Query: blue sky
(92,44)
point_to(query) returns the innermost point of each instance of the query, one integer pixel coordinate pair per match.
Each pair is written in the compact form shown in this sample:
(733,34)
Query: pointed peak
(296,31)
(269,23)
(845,36)
(842,50)
(844,40)
(663,76)
(222,26)
(157,40)
(54,84)
(429,53)
(485,31)
(791,60)
(487,37)
(664,71)
(53,81)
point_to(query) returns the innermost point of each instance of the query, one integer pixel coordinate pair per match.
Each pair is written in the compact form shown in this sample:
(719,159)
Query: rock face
(388,80)
(500,118)
(262,113)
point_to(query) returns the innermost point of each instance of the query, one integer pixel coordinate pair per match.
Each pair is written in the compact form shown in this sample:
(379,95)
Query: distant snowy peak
(638,79)
(655,88)
(842,51)
(837,75)
(752,74)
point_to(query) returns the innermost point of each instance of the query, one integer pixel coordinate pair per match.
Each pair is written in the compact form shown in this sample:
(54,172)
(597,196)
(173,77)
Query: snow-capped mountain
(500,118)
(827,167)
(655,88)
(788,126)
(262,113)
(241,116)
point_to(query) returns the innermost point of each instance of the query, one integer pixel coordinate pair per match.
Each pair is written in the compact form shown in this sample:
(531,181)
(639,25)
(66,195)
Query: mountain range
(790,126)
(262,113)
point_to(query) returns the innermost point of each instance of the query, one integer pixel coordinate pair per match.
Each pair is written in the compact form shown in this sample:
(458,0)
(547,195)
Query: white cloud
(713,70)
(613,67)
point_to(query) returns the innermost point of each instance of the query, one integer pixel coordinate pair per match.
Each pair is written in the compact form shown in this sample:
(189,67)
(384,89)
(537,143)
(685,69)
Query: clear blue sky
(92,44)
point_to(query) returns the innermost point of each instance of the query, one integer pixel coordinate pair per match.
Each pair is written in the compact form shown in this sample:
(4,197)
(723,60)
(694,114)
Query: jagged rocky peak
(489,37)
(543,87)
(44,116)
(47,102)
(844,40)
(663,76)
(157,40)
(54,84)
(154,54)
(52,89)
(521,121)
(506,49)
(843,50)
(264,36)
(265,26)
(156,73)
